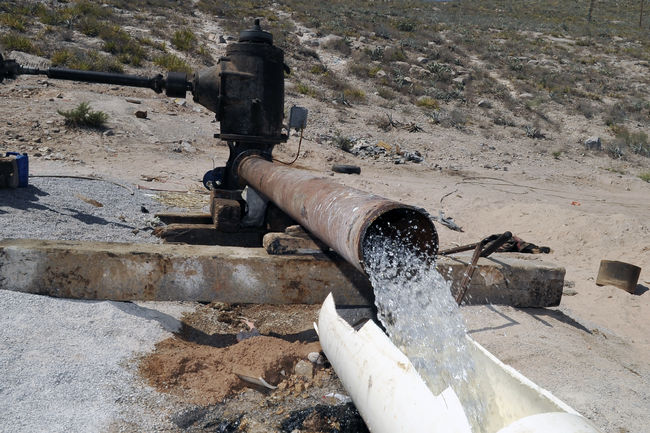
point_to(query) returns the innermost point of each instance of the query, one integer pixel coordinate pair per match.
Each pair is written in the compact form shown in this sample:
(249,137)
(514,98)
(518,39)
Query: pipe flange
(237,160)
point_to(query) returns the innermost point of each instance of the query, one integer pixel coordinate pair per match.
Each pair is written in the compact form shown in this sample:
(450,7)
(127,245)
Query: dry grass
(544,48)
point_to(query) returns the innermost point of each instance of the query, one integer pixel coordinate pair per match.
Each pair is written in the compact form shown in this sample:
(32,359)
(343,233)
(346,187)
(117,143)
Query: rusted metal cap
(619,274)
(256,34)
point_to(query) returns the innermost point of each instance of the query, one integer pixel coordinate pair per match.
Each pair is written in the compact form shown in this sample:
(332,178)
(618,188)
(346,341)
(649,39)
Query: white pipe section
(385,387)
(554,422)
(392,397)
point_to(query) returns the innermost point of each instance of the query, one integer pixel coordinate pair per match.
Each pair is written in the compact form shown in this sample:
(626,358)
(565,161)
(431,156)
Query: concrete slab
(118,271)
(516,279)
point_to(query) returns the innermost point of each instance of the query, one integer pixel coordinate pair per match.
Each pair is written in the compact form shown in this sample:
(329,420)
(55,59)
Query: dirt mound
(205,374)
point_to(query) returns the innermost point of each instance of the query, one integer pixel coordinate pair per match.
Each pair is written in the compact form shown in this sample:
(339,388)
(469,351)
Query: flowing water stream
(416,307)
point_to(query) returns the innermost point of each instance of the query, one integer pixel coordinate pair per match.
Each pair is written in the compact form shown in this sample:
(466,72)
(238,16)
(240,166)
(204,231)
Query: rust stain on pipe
(338,215)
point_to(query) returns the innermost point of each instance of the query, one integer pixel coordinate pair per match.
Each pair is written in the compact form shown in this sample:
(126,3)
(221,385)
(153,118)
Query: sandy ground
(592,352)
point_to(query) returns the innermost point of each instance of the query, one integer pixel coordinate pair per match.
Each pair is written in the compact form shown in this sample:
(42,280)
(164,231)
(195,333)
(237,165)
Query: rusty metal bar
(479,251)
(495,244)
(489,248)
(459,249)
(467,277)
(338,215)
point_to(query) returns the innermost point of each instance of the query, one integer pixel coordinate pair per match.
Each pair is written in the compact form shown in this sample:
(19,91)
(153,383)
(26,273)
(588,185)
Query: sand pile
(204,374)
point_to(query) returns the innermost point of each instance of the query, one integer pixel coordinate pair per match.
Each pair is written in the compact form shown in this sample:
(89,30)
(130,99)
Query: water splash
(415,306)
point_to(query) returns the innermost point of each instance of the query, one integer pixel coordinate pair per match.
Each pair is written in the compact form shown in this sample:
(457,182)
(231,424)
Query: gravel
(70,366)
(60,208)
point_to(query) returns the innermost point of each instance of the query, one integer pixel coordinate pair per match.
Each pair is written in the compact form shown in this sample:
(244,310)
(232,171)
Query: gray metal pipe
(338,215)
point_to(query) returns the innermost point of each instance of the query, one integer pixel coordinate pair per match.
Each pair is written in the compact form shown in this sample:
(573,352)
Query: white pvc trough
(392,397)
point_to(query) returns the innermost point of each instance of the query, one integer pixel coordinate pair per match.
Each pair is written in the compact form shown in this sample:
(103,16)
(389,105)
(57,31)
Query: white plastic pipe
(385,387)
(392,397)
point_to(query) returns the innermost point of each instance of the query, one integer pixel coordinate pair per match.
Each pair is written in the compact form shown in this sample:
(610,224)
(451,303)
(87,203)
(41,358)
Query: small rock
(484,103)
(460,80)
(380,74)
(593,143)
(413,156)
(526,96)
(108,133)
(249,425)
(183,146)
(316,358)
(422,60)
(141,114)
(133,101)
(222,40)
(144,209)
(38,140)
(60,96)
(418,71)
(187,147)
(305,369)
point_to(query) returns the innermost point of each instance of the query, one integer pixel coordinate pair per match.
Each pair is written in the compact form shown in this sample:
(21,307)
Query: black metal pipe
(154,83)
(176,83)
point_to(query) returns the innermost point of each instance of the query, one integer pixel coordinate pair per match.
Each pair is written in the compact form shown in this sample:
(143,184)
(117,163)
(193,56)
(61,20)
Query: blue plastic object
(22,161)
(213,178)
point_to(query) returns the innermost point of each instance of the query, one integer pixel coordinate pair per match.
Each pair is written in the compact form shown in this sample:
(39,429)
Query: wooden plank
(206,234)
(185,218)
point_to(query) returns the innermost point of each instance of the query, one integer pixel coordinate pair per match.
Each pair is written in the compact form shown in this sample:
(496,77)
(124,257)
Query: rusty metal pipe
(338,215)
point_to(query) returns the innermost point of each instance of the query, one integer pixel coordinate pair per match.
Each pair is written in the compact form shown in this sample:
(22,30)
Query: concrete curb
(164,272)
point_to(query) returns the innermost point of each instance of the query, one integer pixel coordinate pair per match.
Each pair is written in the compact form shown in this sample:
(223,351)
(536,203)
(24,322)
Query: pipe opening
(411,228)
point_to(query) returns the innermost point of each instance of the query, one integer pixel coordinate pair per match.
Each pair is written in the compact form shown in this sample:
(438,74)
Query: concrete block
(516,279)
(102,270)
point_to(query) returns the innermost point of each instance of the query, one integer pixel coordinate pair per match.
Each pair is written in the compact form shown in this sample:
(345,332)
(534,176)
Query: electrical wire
(297,153)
